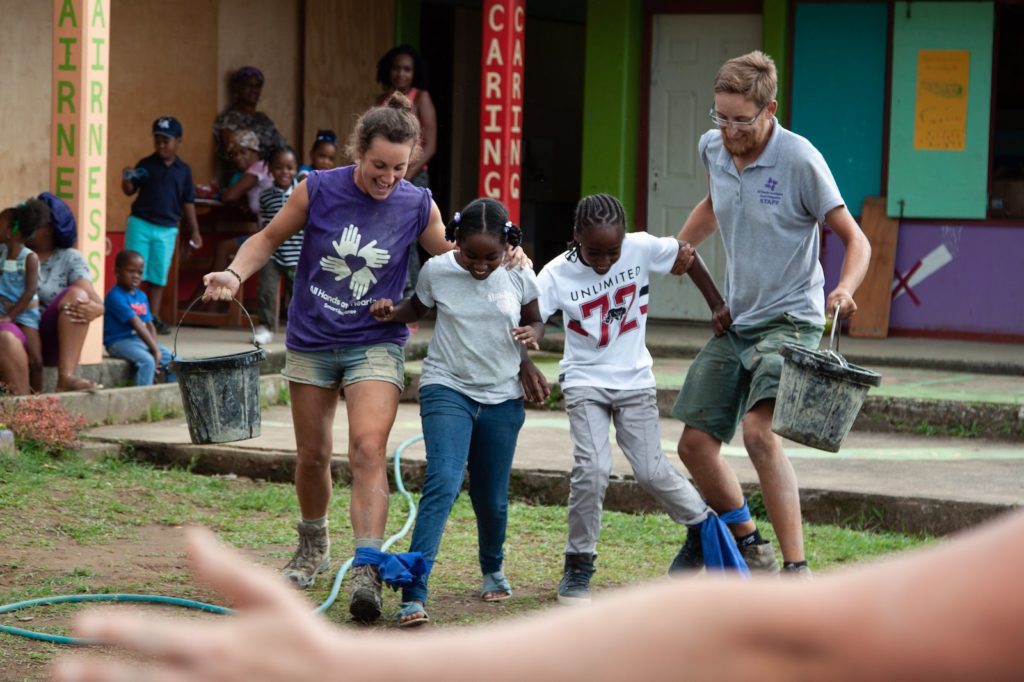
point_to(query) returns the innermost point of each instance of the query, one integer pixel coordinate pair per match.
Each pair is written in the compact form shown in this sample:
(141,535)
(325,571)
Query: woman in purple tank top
(359,223)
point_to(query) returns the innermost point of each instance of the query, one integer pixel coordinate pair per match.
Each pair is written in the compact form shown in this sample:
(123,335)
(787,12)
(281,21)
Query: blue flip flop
(411,608)
(496,587)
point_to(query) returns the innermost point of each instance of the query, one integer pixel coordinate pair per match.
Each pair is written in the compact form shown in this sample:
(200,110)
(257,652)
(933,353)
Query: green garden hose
(188,603)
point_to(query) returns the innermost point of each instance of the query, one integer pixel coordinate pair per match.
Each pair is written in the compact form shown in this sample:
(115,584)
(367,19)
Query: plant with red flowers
(42,423)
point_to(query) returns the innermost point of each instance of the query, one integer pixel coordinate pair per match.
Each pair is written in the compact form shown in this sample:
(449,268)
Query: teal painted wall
(838,91)
(611,96)
(775,33)
(940,184)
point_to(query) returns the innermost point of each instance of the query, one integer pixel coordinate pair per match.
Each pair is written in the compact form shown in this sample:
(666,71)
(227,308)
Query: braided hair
(487,216)
(596,209)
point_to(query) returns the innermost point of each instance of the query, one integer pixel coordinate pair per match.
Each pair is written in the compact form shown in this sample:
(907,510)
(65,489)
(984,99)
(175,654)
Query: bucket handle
(252,327)
(833,341)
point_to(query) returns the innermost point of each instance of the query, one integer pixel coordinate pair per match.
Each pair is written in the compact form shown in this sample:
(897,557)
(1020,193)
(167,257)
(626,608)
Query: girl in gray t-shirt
(472,387)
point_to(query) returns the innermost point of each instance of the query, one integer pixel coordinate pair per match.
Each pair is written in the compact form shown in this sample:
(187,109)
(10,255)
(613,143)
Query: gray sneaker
(365,603)
(574,589)
(798,572)
(760,558)
(311,558)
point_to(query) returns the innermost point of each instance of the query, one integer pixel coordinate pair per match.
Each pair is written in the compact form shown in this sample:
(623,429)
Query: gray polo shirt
(768,216)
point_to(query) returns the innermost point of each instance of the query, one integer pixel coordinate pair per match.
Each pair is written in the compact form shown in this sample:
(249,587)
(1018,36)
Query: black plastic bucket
(820,395)
(221,395)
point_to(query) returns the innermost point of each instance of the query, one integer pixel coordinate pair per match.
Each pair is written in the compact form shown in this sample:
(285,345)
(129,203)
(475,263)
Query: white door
(686,52)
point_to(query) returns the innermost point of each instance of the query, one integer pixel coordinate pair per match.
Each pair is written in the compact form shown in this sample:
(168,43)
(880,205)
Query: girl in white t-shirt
(601,285)
(472,386)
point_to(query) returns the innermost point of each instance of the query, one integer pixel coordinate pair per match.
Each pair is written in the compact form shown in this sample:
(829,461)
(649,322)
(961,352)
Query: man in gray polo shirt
(768,190)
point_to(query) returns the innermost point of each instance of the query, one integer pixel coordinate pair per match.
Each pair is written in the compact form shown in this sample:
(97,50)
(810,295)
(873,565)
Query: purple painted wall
(977,288)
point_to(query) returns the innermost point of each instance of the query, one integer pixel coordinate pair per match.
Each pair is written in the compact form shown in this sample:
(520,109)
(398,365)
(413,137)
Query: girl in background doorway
(402,70)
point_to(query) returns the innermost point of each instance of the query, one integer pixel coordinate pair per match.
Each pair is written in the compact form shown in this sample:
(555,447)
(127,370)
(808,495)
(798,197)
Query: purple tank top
(355,250)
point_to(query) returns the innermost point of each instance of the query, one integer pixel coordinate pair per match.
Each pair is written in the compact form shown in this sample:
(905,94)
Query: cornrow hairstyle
(28,216)
(122,259)
(394,120)
(596,209)
(277,151)
(486,216)
(419,67)
(323,137)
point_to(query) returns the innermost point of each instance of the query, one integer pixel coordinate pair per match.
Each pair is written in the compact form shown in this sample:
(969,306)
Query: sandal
(411,615)
(496,587)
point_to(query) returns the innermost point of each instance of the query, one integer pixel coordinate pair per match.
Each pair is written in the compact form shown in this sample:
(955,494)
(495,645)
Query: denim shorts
(734,372)
(340,367)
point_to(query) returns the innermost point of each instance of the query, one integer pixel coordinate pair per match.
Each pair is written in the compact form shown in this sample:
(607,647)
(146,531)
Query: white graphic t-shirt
(605,316)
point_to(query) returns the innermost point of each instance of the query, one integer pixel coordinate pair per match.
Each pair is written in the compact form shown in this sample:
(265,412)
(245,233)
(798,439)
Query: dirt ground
(155,557)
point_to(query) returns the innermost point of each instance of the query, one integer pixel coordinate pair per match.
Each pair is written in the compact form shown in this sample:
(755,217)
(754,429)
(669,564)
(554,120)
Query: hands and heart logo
(354,261)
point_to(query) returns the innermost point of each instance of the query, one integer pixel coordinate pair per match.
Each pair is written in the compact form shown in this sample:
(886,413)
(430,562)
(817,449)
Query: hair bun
(396,100)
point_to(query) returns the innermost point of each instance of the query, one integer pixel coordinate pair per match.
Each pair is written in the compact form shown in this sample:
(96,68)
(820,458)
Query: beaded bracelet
(239,277)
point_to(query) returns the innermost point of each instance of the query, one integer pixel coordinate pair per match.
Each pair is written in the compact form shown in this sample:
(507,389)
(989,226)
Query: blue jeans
(459,431)
(134,350)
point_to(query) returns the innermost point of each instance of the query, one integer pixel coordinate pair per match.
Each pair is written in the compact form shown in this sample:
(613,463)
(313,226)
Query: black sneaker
(690,557)
(161,328)
(574,588)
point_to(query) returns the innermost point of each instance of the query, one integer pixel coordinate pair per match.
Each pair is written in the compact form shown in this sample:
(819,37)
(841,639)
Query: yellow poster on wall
(940,114)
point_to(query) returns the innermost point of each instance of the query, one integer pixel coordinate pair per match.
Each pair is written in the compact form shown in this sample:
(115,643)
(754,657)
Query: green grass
(58,507)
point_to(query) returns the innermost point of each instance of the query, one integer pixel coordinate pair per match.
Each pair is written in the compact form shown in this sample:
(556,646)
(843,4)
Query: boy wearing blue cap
(166,191)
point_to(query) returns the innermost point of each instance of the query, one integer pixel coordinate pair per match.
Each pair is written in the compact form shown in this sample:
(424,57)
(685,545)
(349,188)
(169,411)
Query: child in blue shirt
(128,330)
(166,193)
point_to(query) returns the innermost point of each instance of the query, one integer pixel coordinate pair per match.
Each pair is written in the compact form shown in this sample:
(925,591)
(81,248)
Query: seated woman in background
(246,88)
(66,295)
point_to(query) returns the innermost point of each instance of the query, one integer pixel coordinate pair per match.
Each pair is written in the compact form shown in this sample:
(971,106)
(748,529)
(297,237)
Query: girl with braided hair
(471,391)
(601,286)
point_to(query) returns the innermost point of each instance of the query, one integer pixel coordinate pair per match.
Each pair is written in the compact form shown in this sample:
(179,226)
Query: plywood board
(344,40)
(874,295)
(266,34)
(161,63)
(26,37)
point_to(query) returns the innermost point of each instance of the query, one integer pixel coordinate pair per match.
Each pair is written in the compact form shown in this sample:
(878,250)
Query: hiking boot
(574,588)
(690,557)
(311,558)
(760,558)
(365,603)
(798,572)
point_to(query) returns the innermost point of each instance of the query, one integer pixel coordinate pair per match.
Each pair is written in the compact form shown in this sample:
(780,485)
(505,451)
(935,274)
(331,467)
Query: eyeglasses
(735,123)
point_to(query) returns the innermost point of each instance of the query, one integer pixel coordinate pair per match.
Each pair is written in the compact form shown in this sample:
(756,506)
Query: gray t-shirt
(768,216)
(58,271)
(473,351)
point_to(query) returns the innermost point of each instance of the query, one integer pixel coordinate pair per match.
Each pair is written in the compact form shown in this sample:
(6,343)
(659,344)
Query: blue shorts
(340,367)
(156,243)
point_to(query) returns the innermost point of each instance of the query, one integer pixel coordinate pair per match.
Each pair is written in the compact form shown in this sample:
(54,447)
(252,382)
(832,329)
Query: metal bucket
(221,395)
(820,395)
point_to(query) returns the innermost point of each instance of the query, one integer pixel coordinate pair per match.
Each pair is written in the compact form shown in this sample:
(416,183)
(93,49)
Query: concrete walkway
(923,481)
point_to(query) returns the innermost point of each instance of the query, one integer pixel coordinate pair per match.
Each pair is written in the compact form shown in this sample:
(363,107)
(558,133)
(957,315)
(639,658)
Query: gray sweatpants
(635,414)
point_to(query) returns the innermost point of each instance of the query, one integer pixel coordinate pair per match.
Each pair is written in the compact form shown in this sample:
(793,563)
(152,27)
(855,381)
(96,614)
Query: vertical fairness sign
(501,106)
(78,161)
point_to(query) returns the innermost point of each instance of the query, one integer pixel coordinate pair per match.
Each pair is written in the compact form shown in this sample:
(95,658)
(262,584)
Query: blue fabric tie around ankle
(720,550)
(396,570)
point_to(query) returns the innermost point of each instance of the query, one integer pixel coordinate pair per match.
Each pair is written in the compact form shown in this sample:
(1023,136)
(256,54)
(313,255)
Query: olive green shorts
(734,372)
